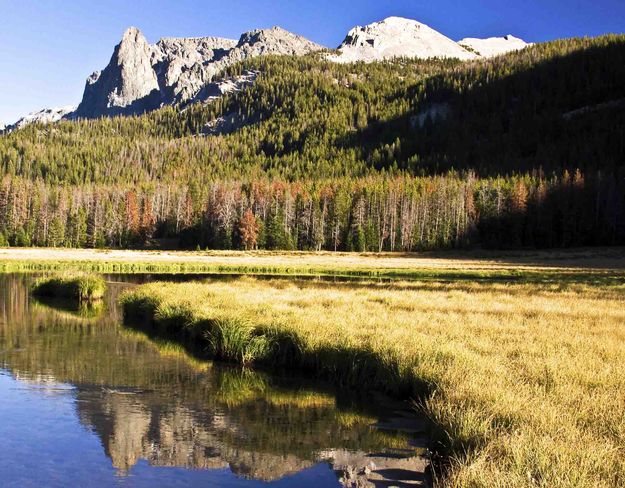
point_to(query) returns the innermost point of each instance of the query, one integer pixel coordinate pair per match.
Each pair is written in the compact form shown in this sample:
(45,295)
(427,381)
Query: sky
(49,47)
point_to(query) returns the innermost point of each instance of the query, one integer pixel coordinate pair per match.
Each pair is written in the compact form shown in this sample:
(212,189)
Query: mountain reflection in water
(77,374)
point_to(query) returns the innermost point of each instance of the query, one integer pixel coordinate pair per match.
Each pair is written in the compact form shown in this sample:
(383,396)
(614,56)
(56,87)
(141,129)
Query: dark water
(85,401)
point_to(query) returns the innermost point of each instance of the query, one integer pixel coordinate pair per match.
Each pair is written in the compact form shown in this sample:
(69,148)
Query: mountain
(552,106)
(523,149)
(142,77)
(493,46)
(44,116)
(398,37)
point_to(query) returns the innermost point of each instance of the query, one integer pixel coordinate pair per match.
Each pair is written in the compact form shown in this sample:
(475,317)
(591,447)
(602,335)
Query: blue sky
(49,47)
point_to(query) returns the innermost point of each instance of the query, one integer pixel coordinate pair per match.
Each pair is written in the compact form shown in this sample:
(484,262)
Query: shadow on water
(73,308)
(79,376)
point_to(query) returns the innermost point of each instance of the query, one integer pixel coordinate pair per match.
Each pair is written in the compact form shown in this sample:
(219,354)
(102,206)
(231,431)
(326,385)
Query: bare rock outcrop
(45,116)
(127,85)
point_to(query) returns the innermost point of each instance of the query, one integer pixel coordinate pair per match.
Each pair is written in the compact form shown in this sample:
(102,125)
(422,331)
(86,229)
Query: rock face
(127,84)
(142,77)
(494,46)
(397,37)
(184,66)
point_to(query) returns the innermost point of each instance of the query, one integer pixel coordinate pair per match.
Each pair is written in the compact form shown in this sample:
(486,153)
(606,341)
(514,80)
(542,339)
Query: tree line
(373,213)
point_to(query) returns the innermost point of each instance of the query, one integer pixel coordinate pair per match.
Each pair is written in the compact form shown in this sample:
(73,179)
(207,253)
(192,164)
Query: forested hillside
(526,149)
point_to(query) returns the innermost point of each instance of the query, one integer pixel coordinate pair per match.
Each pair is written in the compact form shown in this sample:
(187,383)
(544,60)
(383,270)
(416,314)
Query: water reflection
(71,308)
(145,399)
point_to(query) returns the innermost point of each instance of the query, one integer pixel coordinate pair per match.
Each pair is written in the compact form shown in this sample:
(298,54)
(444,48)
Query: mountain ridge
(142,77)
(44,116)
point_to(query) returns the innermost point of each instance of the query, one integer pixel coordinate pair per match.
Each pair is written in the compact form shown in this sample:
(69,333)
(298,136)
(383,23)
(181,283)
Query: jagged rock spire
(142,77)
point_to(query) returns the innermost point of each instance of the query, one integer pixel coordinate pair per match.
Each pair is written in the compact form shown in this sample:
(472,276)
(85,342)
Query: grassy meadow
(524,380)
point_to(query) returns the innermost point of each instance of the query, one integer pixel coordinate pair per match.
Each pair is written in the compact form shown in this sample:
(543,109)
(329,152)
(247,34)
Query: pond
(87,401)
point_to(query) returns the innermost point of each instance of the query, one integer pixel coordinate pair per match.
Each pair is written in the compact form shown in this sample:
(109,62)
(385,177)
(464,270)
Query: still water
(87,401)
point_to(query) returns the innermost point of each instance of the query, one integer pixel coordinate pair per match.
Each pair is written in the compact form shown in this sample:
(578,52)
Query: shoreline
(569,265)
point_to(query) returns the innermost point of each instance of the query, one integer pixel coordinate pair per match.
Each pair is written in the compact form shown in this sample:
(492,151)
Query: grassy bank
(81,287)
(598,265)
(524,381)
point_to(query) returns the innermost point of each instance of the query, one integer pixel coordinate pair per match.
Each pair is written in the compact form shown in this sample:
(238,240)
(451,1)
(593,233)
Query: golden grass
(525,383)
(450,264)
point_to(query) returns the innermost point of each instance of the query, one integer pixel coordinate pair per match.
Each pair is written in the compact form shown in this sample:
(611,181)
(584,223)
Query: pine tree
(248,230)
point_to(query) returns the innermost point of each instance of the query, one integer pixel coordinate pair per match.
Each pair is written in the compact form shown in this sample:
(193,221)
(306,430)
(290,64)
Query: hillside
(307,117)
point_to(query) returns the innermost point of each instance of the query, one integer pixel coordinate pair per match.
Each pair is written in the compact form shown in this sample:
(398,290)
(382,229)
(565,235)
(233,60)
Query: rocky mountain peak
(127,85)
(133,34)
(396,37)
(142,77)
(276,40)
(253,36)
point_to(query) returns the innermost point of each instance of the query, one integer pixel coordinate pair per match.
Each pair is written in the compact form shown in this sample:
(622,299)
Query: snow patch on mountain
(397,37)
(493,46)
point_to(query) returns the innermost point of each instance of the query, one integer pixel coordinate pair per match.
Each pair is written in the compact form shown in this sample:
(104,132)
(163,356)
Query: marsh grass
(81,287)
(524,382)
(236,340)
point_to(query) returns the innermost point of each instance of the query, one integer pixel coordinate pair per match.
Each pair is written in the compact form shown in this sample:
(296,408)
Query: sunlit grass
(596,265)
(525,382)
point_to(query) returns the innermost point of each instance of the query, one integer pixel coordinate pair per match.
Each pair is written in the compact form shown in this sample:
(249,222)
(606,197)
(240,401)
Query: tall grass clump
(236,340)
(81,287)
(524,382)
